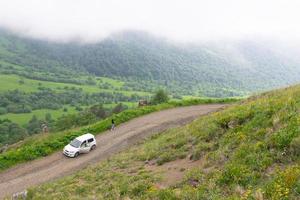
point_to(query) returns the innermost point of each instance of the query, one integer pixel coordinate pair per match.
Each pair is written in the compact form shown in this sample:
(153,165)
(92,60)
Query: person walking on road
(113,125)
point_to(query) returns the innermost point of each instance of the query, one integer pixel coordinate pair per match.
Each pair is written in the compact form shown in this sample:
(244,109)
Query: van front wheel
(93,147)
(76,154)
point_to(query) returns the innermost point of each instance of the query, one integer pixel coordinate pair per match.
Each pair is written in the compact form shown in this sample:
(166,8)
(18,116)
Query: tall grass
(249,151)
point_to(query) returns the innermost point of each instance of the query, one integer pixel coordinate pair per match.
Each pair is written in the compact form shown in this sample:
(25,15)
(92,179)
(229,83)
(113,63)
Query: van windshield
(75,143)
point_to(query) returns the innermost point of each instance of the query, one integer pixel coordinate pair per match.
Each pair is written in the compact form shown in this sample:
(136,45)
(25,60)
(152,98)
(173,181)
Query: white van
(81,144)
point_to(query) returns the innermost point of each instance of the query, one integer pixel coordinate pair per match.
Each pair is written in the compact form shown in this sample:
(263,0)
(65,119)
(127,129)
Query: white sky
(186,20)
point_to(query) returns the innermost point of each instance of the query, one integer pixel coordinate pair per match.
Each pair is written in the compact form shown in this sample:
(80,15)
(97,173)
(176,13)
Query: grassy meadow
(23,118)
(11,82)
(248,151)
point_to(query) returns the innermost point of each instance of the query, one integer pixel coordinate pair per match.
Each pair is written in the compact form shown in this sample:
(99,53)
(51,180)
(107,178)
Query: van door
(91,141)
(84,148)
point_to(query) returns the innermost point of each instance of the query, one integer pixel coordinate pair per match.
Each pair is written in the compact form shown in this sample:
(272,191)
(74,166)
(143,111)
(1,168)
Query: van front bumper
(69,154)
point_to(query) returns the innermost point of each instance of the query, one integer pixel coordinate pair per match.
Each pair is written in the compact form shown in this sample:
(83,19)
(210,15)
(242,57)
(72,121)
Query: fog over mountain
(212,48)
(223,68)
(189,20)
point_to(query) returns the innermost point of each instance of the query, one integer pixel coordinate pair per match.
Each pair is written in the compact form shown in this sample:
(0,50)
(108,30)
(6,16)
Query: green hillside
(11,82)
(228,68)
(23,99)
(247,151)
(23,118)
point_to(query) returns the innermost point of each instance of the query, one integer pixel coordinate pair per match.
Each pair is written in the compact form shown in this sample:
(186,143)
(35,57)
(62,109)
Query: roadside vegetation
(11,132)
(249,150)
(44,144)
(160,96)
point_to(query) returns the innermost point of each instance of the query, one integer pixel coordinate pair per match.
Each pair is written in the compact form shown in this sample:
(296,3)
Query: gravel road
(57,165)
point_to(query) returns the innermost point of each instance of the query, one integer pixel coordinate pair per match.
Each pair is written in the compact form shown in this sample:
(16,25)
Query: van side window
(91,140)
(84,143)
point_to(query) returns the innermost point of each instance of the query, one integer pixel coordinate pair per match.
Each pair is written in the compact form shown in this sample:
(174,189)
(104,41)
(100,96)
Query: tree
(48,118)
(3,111)
(78,108)
(119,108)
(91,81)
(65,122)
(98,111)
(160,96)
(21,81)
(10,132)
(33,126)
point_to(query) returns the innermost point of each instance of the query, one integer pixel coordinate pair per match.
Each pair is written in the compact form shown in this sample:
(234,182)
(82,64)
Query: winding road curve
(56,165)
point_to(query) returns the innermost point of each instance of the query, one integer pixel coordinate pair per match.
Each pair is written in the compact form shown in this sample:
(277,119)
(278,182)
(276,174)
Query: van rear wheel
(93,147)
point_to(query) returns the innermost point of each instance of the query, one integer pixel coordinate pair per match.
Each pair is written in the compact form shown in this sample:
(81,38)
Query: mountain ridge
(239,67)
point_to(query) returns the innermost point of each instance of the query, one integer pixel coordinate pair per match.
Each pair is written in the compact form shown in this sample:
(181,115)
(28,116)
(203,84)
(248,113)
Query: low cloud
(185,20)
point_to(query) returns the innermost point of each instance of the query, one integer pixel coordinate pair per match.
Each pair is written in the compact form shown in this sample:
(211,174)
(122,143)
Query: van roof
(85,137)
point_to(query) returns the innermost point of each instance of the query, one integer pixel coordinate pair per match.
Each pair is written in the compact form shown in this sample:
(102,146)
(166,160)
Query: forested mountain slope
(212,69)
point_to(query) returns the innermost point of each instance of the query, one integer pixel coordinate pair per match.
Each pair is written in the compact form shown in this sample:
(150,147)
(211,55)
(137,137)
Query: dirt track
(56,165)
